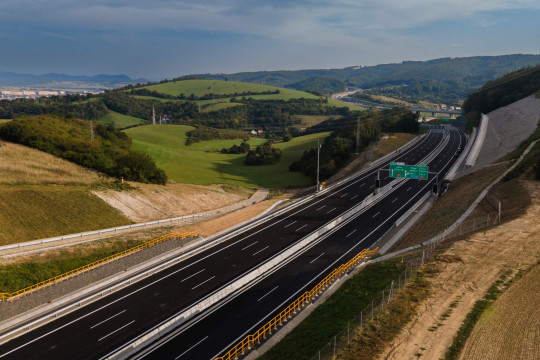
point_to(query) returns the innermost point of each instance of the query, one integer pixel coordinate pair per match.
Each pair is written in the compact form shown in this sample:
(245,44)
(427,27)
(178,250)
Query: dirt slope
(154,202)
(469,268)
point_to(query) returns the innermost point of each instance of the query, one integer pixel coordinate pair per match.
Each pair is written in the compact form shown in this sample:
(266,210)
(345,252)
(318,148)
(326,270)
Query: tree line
(338,147)
(69,138)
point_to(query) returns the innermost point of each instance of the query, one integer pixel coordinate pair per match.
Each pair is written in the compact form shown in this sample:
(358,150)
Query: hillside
(166,144)
(501,92)
(98,147)
(207,92)
(438,80)
(43,196)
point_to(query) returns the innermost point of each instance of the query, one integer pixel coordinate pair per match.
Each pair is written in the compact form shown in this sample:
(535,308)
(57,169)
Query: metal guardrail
(13,248)
(249,341)
(76,272)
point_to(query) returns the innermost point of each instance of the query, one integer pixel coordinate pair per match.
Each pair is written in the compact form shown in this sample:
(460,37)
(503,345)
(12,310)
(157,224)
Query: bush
(264,154)
(70,139)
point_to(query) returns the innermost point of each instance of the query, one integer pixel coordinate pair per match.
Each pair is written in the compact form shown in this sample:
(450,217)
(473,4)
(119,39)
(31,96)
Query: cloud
(294,21)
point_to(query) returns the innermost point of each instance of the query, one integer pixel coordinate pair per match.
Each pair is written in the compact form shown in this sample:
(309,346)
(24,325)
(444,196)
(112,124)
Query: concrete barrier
(478,143)
(236,285)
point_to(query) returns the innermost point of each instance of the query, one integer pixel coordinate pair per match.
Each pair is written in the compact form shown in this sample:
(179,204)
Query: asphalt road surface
(217,331)
(101,327)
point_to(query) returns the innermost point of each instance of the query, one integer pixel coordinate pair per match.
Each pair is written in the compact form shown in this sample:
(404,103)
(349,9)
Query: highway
(99,328)
(221,328)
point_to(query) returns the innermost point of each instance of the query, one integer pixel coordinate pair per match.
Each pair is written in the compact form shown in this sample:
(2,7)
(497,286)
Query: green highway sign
(400,170)
(445,119)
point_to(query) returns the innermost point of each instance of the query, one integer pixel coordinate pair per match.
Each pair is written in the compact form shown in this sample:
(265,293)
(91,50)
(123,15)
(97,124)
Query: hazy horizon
(164,39)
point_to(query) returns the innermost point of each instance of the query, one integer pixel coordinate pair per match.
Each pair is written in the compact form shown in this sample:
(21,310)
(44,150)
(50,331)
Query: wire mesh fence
(378,303)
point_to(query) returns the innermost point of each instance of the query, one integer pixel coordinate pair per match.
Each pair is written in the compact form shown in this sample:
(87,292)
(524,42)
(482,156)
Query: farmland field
(509,330)
(120,121)
(196,164)
(203,87)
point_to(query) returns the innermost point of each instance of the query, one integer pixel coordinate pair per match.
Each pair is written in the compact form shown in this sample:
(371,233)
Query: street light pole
(318,152)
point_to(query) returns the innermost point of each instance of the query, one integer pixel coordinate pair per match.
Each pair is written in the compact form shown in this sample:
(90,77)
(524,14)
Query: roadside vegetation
(332,316)
(166,144)
(446,210)
(480,308)
(32,212)
(29,271)
(501,92)
(102,148)
(120,121)
(337,149)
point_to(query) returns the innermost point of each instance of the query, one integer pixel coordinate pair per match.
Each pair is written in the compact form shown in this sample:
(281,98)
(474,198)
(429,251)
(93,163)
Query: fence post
(372,300)
(335,346)
(348,331)
(382,302)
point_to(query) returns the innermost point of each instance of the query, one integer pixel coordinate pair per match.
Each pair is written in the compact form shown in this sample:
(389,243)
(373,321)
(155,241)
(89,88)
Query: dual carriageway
(103,327)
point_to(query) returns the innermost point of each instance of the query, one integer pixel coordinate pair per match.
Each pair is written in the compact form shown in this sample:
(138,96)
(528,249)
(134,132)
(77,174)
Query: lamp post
(318,152)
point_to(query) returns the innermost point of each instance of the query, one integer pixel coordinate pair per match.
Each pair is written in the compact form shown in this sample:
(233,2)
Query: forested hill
(446,79)
(501,92)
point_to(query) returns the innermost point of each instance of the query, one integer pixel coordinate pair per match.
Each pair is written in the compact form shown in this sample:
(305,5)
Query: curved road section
(104,326)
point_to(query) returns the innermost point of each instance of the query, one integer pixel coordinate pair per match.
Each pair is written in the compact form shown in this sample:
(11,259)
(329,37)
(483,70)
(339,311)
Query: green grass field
(203,87)
(194,164)
(219,106)
(120,121)
(40,211)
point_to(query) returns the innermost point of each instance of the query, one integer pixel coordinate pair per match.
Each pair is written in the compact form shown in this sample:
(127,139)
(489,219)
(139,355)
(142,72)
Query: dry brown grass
(392,142)
(446,210)
(509,330)
(21,165)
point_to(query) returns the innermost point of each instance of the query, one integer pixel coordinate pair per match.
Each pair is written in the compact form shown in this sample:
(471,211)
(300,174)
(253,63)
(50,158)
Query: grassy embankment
(332,316)
(502,332)
(120,121)
(20,274)
(446,210)
(203,87)
(166,145)
(480,310)
(44,196)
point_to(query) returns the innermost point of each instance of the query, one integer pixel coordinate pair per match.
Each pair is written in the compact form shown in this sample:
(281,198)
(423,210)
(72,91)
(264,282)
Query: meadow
(43,196)
(202,164)
(120,121)
(202,87)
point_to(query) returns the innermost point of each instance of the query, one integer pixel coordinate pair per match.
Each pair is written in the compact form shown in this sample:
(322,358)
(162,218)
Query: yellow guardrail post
(291,309)
(28,290)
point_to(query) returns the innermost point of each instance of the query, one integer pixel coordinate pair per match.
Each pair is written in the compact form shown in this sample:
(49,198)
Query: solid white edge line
(360,178)
(230,299)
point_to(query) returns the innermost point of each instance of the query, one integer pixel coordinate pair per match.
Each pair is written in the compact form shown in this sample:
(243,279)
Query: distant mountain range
(15,79)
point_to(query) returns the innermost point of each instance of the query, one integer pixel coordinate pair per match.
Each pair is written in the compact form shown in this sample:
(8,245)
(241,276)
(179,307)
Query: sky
(158,39)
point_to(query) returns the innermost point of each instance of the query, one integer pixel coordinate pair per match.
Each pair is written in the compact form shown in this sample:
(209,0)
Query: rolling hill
(166,144)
